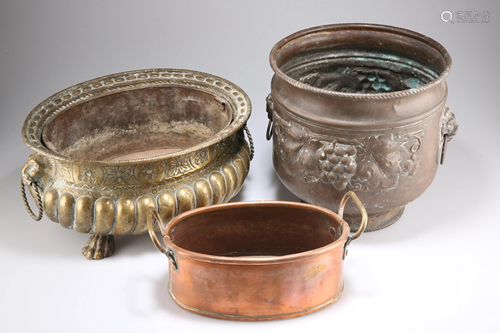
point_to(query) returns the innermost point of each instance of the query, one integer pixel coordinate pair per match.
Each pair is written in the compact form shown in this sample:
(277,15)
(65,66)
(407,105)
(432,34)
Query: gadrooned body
(110,148)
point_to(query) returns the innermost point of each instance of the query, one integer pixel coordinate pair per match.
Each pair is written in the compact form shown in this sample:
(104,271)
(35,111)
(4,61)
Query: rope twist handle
(252,150)
(32,183)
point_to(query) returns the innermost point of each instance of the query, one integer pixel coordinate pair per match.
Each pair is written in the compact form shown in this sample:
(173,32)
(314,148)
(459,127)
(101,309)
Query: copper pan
(255,261)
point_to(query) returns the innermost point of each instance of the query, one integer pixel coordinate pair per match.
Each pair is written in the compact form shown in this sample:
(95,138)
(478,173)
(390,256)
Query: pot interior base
(146,154)
(256,231)
(135,124)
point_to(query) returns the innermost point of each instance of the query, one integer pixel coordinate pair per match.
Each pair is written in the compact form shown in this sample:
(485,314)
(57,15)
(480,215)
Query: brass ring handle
(252,150)
(154,215)
(269,132)
(269,110)
(364,215)
(38,198)
(443,150)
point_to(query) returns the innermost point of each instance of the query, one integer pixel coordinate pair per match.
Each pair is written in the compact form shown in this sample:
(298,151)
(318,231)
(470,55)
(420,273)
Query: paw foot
(99,247)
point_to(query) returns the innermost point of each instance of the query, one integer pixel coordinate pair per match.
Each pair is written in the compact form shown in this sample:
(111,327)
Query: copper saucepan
(254,261)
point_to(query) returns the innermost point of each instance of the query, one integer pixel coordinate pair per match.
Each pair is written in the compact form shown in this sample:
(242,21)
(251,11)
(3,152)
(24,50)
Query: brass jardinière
(359,107)
(108,149)
(256,261)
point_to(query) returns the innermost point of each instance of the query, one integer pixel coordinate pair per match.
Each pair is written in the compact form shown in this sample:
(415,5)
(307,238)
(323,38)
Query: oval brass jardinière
(359,107)
(254,261)
(108,149)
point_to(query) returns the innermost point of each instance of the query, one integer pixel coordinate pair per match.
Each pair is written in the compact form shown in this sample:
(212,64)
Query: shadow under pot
(108,149)
(359,107)
(256,261)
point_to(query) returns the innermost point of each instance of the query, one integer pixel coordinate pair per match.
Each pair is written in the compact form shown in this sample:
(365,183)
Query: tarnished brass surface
(108,149)
(359,107)
(256,261)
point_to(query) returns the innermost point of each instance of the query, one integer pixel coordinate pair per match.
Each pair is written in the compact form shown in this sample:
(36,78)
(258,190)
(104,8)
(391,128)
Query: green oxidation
(378,83)
(413,83)
(359,72)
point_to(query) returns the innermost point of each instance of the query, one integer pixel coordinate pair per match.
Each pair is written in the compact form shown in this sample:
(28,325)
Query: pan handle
(154,215)
(364,218)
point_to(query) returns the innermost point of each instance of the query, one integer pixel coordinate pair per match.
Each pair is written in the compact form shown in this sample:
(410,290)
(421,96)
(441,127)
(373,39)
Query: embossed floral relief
(201,156)
(87,175)
(376,161)
(177,166)
(64,170)
(149,171)
(121,175)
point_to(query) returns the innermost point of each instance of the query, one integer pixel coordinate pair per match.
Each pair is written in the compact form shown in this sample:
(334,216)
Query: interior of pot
(138,123)
(361,59)
(255,231)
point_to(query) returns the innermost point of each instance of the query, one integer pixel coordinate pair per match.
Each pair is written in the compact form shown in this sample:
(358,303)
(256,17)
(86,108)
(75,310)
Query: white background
(436,269)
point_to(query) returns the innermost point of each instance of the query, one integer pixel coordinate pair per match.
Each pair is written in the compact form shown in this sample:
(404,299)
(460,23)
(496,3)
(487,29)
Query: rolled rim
(249,260)
(44,112)
(368,27)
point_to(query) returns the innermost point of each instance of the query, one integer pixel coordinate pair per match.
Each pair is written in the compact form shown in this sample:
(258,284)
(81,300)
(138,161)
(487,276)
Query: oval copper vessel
(108,149)
(256,260)
(359,107)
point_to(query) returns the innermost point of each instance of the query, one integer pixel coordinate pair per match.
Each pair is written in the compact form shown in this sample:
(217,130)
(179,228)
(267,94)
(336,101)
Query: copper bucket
(255,261)
(359,107)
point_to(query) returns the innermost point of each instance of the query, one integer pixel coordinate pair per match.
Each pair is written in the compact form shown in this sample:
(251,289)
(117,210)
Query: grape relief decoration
(376,161)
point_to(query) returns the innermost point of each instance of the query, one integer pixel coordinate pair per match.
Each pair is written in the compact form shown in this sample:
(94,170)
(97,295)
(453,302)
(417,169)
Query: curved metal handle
(449,129)
(252,150)
(153,214)
(364,215)
(269,110)
(32,183)
(364,218)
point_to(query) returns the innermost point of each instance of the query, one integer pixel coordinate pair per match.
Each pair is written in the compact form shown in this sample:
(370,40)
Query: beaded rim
(374,27)
(44,112)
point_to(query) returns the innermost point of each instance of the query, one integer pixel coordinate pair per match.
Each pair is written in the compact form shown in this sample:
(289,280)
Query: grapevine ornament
(338,164)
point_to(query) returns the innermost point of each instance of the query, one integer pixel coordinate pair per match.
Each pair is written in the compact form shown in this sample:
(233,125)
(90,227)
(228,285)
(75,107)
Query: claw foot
(99,247)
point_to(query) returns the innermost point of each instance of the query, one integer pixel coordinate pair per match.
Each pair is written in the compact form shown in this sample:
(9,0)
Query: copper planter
(359,107)
(256,261)
(108,149)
